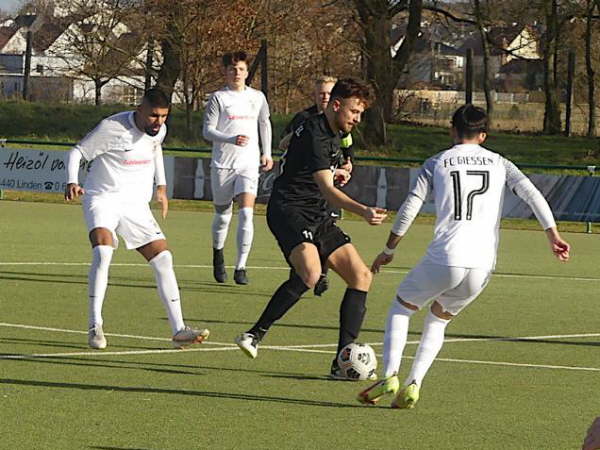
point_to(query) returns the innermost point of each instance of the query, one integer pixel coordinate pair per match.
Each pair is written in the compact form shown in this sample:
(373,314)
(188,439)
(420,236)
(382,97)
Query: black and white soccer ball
(357,361)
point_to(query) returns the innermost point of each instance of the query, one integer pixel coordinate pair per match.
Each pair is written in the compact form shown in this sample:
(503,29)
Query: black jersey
(313,147)
(299,118)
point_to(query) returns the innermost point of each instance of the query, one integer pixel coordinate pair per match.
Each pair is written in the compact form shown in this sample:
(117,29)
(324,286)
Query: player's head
(348,99)
(469,123)
(152,112)
(235,67)
(323,86)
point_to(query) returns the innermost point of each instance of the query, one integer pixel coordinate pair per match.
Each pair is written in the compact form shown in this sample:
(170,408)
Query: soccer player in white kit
(467,182)
(235,116)
(127,158)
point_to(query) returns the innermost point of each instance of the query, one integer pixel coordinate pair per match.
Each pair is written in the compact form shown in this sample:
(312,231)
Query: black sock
(352,313)
(218,256)
(282,301)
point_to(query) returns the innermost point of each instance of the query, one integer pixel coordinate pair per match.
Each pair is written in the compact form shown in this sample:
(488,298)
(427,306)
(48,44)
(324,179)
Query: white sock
(220,226)
(245,233)
(98,282)
(396,331)
(430,345)
(167,288)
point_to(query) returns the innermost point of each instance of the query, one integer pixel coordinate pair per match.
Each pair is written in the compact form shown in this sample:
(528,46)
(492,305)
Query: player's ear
(482,137)
(336,104)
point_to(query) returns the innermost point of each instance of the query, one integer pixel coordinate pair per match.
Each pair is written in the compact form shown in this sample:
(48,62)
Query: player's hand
(559,247)
(347,166)
(161,197)
(375,216)
(241,140)
(72,191)
(266,163)
(592,440)
(381,260)
(341,177)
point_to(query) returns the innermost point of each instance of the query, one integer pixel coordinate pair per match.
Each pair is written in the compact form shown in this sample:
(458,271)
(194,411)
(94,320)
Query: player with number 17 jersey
(469,181)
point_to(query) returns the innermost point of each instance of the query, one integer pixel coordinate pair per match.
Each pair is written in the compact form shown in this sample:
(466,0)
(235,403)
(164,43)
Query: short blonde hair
(322,79)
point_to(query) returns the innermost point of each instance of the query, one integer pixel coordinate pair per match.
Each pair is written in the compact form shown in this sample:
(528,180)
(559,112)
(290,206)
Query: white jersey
(467,182)
(230,113)
(125,159)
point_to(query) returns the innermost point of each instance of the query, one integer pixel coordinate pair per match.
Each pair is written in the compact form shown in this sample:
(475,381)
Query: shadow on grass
(195,393)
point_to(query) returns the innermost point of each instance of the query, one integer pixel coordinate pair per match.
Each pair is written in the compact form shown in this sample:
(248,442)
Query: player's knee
(310,278)
(362,279)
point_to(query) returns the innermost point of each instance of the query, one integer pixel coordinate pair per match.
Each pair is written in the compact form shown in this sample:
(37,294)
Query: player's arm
(285,141)
(335,197)
(209,128)
(404,219)
(266,136)
(406,215)
(161,182)
(526,191)
(73,190)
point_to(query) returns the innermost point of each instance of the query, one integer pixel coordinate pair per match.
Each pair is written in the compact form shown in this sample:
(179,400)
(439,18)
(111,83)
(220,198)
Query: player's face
(322,92)
(236,74)
(150,119)
(348,112)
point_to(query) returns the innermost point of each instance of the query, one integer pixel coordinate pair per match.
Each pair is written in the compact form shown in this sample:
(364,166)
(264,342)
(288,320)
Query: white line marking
(131,336)
(293,348)
(201,266)
(103,353)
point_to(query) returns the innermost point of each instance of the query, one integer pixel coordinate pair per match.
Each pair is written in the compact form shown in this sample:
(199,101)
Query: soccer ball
(357,361)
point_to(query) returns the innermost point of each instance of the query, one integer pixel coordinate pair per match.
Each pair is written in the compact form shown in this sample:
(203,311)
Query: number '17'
(485,184)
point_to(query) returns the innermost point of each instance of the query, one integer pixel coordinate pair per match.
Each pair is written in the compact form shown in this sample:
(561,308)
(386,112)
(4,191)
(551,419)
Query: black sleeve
(294,123)
(348,152)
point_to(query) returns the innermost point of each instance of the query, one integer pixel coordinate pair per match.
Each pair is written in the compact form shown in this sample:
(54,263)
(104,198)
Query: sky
(10,5)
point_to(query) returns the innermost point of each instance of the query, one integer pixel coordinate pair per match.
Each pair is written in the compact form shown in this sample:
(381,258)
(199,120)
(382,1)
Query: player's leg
(101,217)
(160,259)
(306,269)
(245,235)
(222,184)
(348,264)
(469,284)
(245,189)
(102,251)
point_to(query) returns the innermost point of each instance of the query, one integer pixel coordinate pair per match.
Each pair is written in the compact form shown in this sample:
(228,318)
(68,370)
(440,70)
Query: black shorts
(293,226)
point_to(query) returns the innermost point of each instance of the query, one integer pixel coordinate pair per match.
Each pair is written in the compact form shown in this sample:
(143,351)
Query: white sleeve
(211,119)
(73,159)
(97,141)
(522,186)
(526,190)
(264,128)
(159,167)
(415,199)
(406,214)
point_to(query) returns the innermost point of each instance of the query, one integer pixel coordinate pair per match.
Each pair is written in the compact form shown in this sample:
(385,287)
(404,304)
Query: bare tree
(96,44)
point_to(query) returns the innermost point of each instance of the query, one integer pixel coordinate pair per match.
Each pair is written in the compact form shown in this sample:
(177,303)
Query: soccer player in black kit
(298,218)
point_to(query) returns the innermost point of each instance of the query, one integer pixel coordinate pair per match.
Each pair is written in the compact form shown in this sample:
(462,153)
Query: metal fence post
(588,226)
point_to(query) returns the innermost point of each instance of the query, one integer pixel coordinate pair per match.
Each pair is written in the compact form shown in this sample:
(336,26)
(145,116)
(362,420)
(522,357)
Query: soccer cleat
(322,285)
(336,373)
(407,397)
(219,266)
(188,336)
(373,393)
(240,276)
(96,337)
(248,343)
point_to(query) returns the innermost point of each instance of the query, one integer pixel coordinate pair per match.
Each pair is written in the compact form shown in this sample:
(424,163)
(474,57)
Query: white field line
(293,348)
(201,266)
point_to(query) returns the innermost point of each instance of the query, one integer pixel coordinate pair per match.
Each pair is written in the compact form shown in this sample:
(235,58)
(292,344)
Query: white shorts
(226,184)
(452,287)
(134,222)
